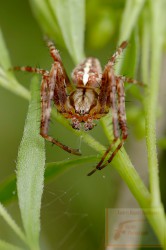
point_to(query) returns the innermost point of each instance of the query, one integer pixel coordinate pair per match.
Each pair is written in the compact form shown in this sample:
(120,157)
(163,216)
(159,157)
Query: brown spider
(91,98)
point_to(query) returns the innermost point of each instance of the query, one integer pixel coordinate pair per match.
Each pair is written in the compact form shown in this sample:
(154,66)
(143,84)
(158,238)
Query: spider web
(72,221)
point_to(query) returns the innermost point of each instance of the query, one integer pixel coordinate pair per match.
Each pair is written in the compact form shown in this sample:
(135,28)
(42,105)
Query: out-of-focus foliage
(73,205)
(65,23)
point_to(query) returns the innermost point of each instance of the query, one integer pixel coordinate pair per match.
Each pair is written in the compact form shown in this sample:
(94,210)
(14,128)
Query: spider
(90,97)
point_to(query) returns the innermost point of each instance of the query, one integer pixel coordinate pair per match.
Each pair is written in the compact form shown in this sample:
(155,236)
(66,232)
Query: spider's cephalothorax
(94,93)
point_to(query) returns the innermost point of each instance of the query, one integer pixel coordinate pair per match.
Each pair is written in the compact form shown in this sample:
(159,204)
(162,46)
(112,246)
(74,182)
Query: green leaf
(4,56)
(7,79)
(30,170)
(157,13)
(130,62)
(132,10)
(64,21)
(71,19)
(47,20)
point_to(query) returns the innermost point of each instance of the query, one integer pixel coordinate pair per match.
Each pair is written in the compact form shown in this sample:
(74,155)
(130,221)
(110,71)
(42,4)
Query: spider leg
(57,87)
(98,167)
(31,69)
(110,101)
(130,80)
(47,95)
(106,77)
(117,53)
(122,119)
(56,57)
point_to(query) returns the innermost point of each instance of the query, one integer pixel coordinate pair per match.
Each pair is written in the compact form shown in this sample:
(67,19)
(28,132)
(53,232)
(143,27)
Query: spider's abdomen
(87,73)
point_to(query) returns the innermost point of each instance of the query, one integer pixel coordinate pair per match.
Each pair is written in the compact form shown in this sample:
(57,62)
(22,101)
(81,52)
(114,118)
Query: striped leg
(108,76)
(117,53)
(48,91)
(53,51)
(31,69)
(113,102)
(99,165)
(56,57)
(131,80)
(121,118)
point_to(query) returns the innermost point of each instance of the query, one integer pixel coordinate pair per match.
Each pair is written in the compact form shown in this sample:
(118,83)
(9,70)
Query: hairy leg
(31,69)
(121,118)
(117,53)
(112,101)
(131,80)
(57,58)
(47,92)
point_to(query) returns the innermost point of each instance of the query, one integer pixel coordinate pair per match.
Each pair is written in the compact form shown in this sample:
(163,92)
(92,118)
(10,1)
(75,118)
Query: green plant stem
(151,103)
(152,100)
(128,173)
(145,58)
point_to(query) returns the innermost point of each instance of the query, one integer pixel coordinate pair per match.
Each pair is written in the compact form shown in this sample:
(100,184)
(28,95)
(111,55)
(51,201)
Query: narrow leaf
(47,19)
(7,79)
(71,19)
(30,170)
(4,56)
(64,22)
(132,9)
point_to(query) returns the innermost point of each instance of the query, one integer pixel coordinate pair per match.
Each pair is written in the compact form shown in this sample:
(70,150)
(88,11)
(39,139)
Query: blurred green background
(73,210)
